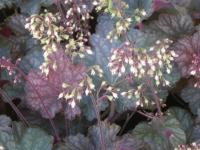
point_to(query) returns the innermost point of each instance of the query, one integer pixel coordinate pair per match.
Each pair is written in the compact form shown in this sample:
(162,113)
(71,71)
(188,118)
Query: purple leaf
(43,91)
(188,51)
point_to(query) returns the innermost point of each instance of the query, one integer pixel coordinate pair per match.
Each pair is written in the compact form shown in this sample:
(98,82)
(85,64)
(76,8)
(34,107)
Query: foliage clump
(85,83)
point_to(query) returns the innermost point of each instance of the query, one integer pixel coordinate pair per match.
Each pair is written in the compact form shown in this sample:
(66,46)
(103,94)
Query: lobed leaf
(184,117)
(6,3)
(30,138)
(191,95)
(187,50)
(172,25)
(5,123)
(92,141)
(161,133)
(43,91)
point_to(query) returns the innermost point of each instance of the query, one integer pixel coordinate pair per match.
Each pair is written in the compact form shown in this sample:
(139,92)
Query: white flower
(137,103)
(72,103)
(193,72)
(123,69)
(87,92)
(95,3)
(89,51)
(61,95)
(123,93)
(93,72)
(114,95)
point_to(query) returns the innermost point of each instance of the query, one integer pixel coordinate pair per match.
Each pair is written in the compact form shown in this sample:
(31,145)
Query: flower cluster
(145,66)
(121,27)
(143,63)
(75,91)
(188,52)
(124,22)
(138,93)
(77,16)
(76,23)
(11,68)
(193,146)
(72,36)
(45,28)
(115,8)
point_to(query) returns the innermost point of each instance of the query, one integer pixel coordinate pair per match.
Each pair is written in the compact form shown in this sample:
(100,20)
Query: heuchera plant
(76,74)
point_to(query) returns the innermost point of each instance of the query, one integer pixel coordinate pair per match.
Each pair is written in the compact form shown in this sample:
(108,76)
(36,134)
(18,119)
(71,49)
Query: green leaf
(33,6)
(145,5)
(172,25)
(194,6)
(124,104)
(102,50)
(5,123)
(6,3)
(25,44)
(174,76)
(87,107)
(12,90)
(144,39)
(22,40)
(77,142)
(102,46)
(17,23)
(181,6)
(36,139)
(26,139)
(195,136)
(36,120)
(183,117)
(32,60)
(161,133)
(5,47)
(109,133)
(112,142)
(128,142)
(92,140)
(191,95)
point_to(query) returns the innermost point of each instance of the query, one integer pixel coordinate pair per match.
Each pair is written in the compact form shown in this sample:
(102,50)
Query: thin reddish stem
(156,98)
(17,111)
(102,140)
(5,64)
(39,96)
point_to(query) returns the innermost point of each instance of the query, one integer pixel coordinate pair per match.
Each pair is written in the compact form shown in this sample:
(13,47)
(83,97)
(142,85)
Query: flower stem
(95,104)
(145,115)
(156,98)
(45,109)
(17,111)
(15,67)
